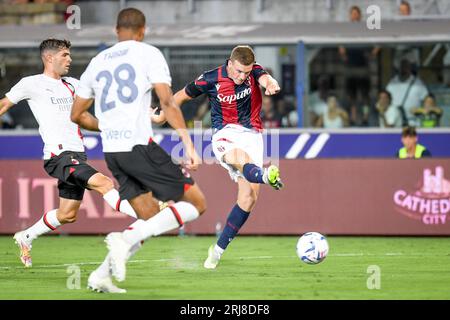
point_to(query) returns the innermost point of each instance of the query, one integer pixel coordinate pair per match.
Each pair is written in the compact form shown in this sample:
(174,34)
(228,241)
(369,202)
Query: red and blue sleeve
(197,87)
(258,71)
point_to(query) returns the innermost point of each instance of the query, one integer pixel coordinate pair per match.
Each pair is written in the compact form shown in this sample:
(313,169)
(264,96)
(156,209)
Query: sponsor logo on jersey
(234,97)
(117,134)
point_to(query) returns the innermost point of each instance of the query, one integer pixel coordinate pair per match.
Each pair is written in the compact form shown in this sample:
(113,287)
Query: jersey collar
(224,69)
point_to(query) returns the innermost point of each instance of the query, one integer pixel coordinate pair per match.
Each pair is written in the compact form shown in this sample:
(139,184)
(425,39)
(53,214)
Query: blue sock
(253,173)
(235,221)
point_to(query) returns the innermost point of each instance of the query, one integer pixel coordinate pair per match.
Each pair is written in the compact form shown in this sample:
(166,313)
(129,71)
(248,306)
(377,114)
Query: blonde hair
(243,54)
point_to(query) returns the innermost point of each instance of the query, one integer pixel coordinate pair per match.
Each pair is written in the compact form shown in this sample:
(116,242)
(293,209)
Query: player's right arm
(81,116)
(5,105)
(22,90)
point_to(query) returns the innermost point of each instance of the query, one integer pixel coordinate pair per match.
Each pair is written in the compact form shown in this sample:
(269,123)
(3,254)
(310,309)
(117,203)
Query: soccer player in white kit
(121,79)
(50,96)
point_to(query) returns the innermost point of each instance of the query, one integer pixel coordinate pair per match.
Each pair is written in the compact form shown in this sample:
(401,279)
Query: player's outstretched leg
(100,280)
(104,285)
(104,185)
(120,243)
(270,175)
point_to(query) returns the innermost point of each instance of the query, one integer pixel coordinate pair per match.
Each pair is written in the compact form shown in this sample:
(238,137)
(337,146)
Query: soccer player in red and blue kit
(234,94)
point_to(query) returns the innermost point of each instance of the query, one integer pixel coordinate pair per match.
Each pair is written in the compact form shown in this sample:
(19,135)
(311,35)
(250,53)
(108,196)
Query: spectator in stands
(269,115)
(318,99)
(284,107)
(335,117)
(407,91)
(357,80)
(388,115)
(411,149)
(291,120)
(429,115)
(355,14)
(404,9)
(287,110)
(406,51)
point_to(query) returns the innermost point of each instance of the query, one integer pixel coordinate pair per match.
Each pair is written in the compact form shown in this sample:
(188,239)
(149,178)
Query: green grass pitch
(253,268)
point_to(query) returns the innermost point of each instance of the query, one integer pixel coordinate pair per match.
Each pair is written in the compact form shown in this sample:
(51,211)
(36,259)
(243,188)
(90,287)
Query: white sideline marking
(176,259)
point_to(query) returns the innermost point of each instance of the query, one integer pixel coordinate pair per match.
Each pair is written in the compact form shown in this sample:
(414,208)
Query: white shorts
(234,136)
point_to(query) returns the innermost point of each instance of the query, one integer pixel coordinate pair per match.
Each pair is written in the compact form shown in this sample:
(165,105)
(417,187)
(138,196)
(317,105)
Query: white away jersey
(51,101)
(120,79)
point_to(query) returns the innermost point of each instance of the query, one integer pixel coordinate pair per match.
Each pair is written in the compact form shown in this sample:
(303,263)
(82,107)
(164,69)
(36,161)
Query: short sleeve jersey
(51,101)
(120,79)
(230,103)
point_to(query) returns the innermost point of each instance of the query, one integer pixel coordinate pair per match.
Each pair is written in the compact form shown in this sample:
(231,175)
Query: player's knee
(200,204)
(68,217)
(108,184)
(146,213)
(102,184)
(198,200)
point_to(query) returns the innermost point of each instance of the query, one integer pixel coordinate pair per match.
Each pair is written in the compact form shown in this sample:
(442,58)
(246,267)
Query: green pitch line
(252,268)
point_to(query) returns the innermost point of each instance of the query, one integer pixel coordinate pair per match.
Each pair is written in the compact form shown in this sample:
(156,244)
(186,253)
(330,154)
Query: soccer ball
(312,248)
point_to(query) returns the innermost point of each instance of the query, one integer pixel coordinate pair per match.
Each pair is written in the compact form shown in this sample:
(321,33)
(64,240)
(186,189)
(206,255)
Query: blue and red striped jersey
(230,103)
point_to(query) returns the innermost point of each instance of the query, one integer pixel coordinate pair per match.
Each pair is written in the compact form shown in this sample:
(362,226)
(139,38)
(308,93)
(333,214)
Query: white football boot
(25,248)
(213,258)
(119,254)
(105,285)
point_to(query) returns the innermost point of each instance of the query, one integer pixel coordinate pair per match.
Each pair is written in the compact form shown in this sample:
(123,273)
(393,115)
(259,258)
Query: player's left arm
(270,84)
(81,116)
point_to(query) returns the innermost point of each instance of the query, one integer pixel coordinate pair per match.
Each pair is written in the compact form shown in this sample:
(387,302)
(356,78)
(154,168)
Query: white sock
(112,197)
(164,221)
(218,250)
(47,223)
(104,271)
(265,178)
